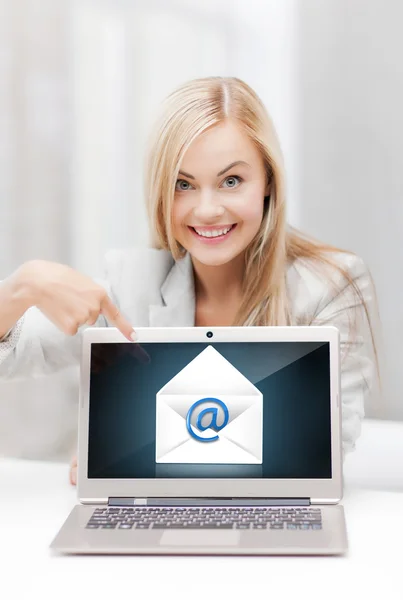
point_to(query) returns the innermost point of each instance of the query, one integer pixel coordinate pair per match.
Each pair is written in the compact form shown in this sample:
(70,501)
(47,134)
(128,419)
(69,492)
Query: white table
(35,498)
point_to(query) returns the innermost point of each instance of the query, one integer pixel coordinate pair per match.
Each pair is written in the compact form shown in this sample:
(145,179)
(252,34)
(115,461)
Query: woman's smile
(213,234)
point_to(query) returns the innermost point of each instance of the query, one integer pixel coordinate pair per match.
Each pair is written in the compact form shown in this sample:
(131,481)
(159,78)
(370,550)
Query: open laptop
(209,441)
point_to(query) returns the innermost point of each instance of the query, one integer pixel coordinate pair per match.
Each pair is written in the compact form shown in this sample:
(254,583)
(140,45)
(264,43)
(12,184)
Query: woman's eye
(182,185)
(232,181)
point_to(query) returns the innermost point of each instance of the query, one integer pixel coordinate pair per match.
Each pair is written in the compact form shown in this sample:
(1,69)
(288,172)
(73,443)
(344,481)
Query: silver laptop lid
(245,412)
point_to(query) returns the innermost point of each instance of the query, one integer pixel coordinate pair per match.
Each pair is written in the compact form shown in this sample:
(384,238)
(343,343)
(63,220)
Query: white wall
(351,129)
(35,123)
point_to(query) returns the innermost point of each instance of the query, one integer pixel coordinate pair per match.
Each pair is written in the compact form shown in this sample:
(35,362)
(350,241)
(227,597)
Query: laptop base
(74,538)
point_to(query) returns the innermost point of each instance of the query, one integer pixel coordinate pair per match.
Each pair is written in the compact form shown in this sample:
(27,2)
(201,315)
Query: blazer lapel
(178,297)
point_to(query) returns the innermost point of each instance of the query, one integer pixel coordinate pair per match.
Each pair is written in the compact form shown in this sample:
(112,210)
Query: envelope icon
(209,413)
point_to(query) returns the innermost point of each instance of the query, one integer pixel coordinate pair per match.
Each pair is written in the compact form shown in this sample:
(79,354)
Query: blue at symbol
(213,422)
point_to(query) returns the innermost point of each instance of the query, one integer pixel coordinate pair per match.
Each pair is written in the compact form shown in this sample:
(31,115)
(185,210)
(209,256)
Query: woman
(222,254)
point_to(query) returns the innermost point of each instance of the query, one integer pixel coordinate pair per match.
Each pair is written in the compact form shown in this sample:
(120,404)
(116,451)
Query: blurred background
(81,83)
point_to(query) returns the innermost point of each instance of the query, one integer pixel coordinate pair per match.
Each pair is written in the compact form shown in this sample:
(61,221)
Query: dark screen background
(294,378)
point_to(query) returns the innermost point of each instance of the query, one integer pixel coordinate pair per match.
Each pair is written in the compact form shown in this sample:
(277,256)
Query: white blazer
(151,289)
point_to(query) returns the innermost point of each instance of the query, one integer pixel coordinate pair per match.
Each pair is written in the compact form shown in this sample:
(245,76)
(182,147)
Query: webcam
(209,334)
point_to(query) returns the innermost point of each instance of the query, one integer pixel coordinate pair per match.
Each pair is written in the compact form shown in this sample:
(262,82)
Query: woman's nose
(208,208)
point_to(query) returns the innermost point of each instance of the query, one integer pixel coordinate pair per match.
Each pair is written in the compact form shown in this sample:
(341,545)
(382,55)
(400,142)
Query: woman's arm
(36,347)
(345,310)
(47,335)
(15,299)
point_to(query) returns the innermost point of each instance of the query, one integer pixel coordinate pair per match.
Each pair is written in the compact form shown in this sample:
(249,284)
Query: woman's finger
(73,471)
(115,317)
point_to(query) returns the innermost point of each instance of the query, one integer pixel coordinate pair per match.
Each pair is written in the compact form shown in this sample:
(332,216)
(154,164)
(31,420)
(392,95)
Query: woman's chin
(213,257)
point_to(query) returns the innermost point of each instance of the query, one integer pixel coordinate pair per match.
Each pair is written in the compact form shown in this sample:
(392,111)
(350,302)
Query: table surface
(35,499)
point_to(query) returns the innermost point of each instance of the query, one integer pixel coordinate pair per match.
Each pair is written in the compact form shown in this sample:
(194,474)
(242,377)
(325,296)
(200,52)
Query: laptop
(209,441)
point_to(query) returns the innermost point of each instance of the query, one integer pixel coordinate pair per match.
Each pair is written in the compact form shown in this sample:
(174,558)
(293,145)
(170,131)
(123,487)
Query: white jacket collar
(178,297)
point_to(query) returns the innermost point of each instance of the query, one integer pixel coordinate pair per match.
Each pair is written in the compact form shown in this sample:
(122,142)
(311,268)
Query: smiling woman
(220,207)
(215,187)
(223,253)
(216,190)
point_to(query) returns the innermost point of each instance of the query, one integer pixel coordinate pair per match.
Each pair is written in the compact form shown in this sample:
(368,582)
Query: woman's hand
(68,298)
(73,471)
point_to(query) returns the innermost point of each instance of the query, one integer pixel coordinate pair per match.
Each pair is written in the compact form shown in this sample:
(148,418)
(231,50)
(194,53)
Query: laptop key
(201,526)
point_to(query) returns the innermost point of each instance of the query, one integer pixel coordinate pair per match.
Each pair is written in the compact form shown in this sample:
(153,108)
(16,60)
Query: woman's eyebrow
(234,164)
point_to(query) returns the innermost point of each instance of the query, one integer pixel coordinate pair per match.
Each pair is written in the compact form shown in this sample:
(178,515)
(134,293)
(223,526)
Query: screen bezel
(318,490)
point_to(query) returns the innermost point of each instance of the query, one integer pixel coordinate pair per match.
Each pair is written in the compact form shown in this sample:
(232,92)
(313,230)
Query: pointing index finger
(115,317)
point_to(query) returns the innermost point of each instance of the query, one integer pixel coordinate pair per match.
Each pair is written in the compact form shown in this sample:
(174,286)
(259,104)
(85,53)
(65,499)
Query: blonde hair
(190,110)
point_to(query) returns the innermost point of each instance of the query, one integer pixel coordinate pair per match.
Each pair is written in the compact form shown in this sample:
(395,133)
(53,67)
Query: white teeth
(213,232)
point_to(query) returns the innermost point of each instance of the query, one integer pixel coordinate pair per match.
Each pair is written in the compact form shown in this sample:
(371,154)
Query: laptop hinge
(209,501)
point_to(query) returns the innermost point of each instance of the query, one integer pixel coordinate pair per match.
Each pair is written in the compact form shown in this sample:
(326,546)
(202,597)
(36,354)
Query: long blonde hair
(190,110)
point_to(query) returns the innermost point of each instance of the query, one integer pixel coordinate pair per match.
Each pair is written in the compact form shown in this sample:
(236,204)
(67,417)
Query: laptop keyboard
(206,518)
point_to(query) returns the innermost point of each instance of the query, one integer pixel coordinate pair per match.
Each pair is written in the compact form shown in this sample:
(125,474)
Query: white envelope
(209,375)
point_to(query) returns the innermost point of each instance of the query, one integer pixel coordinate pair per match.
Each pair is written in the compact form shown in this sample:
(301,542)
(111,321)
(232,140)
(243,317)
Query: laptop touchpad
(172,537)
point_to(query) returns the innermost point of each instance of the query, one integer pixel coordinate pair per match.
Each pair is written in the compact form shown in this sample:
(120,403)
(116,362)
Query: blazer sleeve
(36,347)
(344,309)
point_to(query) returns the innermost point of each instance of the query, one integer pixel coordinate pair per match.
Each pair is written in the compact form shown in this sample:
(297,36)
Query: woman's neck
(216,284)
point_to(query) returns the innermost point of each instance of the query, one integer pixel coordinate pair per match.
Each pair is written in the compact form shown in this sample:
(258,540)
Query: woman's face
(219,195)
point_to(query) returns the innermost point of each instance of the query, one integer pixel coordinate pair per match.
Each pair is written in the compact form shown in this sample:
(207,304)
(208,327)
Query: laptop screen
(210,410)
